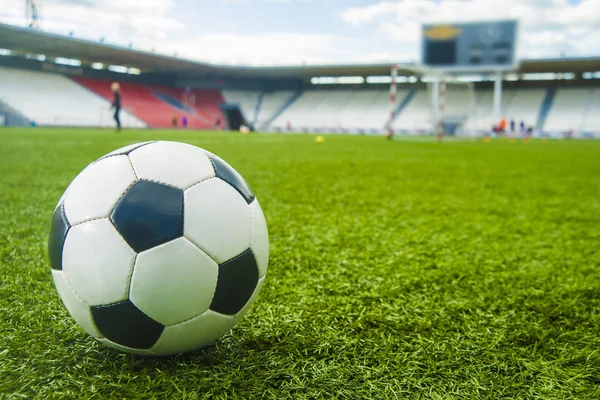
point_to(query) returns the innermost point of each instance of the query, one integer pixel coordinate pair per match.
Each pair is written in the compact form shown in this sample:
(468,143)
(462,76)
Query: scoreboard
(477,46)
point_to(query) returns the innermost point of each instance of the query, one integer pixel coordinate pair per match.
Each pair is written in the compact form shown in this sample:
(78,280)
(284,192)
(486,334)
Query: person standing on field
(116,104)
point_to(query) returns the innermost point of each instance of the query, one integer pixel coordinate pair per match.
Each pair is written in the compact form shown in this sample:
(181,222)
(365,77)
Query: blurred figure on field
(174,121)
(218,123)
(184,121)
(569,134)
(522,127)
(116,104)
(502,126)
(512,127)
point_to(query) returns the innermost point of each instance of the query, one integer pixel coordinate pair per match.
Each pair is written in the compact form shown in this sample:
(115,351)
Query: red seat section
(140,101)
(205,102)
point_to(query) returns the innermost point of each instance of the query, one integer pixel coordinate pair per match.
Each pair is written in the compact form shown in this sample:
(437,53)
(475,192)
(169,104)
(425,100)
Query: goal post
(453,106)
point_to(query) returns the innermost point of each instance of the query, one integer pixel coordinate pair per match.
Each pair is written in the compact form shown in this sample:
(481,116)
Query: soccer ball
(158,248)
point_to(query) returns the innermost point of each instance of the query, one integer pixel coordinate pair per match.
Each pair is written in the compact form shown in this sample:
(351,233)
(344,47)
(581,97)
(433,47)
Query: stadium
(40,70)
(433,225)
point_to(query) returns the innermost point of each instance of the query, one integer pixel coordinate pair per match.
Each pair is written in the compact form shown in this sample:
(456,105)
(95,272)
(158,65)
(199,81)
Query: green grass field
(405,269)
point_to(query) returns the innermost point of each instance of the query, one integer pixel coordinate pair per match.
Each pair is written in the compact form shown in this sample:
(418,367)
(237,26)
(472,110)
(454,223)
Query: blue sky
(276,32)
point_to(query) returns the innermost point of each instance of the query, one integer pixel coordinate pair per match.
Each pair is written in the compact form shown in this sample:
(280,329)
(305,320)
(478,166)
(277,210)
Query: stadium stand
(518,104)
(245,99)
(417,114)
(591,120)
(299,113)
(271,103)
(204,106)
(56,85)
(523,105)
(568,110)
(338,110)
(140,101)
(207,104)
(52,99)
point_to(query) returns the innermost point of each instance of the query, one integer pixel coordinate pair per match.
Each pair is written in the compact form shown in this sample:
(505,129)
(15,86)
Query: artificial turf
(405,269)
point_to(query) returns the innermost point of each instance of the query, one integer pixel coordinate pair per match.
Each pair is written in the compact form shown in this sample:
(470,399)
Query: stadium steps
(285,106)
(261,96)
(12,117)
(172,96)
(405,102)
(208,103)
(172,101)
(139,101)
(545,108)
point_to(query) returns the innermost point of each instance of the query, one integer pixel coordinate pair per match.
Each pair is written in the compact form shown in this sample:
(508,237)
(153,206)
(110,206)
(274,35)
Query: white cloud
(110,18)
(547,27)
(264,49)
(380,32)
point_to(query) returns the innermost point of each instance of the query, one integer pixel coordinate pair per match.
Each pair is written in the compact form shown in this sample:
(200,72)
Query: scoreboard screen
(475,46)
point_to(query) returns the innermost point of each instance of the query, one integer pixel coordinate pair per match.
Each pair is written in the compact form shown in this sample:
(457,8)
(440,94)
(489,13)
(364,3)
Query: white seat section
(591,120)
(524,106)
(460,101)
(246,99)
(482,117)
(300,113)
(354,113)
(326,116)
(52,99)
(271,104)
(417,115)
(517,104)
(338,109)
(568,110)
(377,115)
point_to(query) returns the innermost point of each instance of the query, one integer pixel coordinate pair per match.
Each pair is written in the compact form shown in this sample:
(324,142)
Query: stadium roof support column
(435,99)
(497,97)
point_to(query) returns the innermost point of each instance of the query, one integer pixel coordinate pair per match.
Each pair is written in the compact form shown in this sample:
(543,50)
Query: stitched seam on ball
(201,249)
(251,226)
(109,156)
(199,182)
(159,182)
(133,168)
(130,277)
(88,220)
(85,304)
(114,304)
(113,206)
(211,161)
(238,256)
(218,270)
(73,291)
(199,315)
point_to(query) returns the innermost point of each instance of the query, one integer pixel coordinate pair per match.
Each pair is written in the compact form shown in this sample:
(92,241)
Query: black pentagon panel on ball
(225,172)
(149,214)
(123,323)
(58,233)
(235,284)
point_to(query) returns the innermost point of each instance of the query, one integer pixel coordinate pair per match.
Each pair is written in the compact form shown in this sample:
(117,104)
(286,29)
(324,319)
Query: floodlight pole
(33,13)
(497,97)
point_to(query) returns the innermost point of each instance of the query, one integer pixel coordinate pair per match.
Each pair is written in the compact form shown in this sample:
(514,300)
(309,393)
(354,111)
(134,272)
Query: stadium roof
(25,40)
